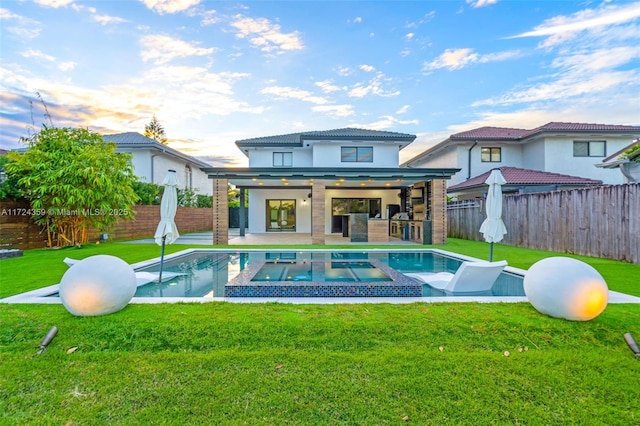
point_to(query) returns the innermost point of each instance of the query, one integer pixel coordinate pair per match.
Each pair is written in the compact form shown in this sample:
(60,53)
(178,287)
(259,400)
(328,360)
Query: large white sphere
(563,287)
(97,285)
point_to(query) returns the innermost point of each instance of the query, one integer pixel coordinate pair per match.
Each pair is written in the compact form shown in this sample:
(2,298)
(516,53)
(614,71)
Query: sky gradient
(216,72)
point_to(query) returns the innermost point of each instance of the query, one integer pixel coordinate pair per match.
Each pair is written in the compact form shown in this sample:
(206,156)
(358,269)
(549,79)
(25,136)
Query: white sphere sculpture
(97,285)
(563,287)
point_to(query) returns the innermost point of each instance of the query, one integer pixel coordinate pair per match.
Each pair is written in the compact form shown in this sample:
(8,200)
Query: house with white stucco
(315,182)
(151,161)
(573,149)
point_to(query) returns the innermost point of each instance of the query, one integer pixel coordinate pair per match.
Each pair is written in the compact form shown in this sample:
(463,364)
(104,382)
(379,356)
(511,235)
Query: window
(187,177)
(353,154)
(282,159)
(589,148)
(491,155)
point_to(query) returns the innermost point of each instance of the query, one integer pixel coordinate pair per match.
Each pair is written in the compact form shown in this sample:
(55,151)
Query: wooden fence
(602,221)
(17,230)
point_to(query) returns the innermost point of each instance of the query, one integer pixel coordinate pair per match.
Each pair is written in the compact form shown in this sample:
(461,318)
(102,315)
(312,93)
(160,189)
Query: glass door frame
(283,216)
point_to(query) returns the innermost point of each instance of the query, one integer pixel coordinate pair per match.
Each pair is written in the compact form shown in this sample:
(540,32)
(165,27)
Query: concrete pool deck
(43,295)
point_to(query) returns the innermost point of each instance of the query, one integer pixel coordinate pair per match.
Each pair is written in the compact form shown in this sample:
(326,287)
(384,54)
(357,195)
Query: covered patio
(314,191)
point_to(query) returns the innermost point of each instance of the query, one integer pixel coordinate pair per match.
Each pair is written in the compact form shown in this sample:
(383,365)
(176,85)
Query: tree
(74,181)
(155,131)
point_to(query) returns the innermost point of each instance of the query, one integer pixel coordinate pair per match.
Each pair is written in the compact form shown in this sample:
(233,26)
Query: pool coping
(43,295)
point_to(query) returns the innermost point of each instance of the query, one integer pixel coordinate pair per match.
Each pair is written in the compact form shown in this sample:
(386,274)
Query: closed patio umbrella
(167,232)
(493,227)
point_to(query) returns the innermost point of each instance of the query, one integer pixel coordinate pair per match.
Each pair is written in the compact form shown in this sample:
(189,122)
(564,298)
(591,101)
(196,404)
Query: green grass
(279,364)
(270,364)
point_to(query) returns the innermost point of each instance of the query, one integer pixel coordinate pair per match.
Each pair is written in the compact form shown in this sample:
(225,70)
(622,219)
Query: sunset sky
(214,72)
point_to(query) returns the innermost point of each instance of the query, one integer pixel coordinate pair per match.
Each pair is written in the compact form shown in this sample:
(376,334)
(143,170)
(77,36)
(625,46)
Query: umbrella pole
(164,237)
(490,252)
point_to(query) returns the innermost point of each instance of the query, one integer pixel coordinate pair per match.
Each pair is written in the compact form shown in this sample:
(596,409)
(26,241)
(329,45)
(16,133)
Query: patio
(272,238)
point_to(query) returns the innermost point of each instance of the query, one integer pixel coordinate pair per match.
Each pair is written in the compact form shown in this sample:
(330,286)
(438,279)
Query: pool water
(302,270)
(206,273)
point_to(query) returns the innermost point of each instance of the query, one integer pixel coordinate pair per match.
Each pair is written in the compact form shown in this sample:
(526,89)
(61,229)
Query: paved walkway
(277,238)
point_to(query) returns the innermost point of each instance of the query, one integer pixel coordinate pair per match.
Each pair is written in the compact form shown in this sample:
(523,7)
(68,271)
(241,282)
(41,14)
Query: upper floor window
(589,148)
(359,154)
(491,155)
(282,159)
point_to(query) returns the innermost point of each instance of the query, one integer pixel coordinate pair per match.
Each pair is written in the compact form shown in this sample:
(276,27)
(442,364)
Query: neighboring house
(151,160)
(628,164)
(566,148)
(307,182)
(519,181)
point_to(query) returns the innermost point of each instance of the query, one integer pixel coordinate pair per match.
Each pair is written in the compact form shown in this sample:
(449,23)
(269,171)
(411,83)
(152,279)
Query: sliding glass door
(281,215)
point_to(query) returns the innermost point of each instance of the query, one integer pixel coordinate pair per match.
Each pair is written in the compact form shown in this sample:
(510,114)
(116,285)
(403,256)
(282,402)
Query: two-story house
(307,182)
(572,149)
(151,161)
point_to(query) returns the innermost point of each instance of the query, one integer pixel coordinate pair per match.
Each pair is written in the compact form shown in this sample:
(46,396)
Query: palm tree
(155,131)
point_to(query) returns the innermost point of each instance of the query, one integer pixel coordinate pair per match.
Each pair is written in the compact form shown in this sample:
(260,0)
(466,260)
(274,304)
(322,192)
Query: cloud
(31,53)
(455,59)
(210,17)
(337,111)
(107,19)
(372,87)
(561,28)
(344,71)
(169,6)
(25,28)
(367,68)
(54,3)
(386,122)
(162,49)
(327,86)
(577,74)
(357,20)
(481,3)
(403,109)
(426,18)
(180,92)
(37,54)
(266,35)
(293,93)
(409,36)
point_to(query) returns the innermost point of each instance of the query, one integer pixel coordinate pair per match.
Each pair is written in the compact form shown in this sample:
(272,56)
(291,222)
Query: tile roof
(524,177)
(490,133)
(129,138)
(133,139)
(516,134)
(295,139)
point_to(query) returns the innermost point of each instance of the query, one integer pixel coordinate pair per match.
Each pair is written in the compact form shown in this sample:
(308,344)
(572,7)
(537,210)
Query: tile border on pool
(399,285)
(43,295)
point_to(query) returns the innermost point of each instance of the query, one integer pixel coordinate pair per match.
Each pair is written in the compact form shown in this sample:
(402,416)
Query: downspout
(475,142)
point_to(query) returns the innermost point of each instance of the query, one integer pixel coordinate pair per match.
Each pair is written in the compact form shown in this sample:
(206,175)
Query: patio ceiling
(352,177)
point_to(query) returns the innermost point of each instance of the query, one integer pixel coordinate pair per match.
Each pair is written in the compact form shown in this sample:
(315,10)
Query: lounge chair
(471,277)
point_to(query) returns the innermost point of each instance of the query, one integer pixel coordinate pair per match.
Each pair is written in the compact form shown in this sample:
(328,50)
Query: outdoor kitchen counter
(378,230)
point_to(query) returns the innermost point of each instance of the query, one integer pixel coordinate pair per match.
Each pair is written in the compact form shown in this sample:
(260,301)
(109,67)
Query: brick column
(439,211)
(220,212)
(317,212)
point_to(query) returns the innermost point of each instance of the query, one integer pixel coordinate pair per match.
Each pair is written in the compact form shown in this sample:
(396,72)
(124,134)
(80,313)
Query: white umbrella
(167,232)
(493,227)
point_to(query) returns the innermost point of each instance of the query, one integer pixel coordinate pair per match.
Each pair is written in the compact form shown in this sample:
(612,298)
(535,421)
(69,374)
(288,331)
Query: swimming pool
(229,274)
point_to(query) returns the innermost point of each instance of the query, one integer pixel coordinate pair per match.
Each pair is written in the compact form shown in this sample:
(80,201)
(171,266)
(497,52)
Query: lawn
(266,364)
